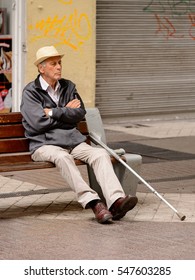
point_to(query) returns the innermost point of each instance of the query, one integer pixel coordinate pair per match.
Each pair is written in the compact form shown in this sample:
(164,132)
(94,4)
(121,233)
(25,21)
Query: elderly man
(51,108)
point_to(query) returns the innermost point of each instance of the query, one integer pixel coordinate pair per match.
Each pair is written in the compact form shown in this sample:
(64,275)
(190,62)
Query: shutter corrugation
(145,57)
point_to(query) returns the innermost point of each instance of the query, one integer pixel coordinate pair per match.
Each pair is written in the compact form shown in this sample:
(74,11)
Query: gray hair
(43,63)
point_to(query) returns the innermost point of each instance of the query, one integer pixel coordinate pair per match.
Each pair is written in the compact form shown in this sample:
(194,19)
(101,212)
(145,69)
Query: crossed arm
(75,103)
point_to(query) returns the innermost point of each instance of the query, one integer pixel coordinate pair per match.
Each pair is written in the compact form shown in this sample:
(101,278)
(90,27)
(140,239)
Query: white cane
(96,140)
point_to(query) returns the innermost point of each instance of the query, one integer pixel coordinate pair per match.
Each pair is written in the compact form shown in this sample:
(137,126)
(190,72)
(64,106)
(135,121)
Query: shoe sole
(126,206)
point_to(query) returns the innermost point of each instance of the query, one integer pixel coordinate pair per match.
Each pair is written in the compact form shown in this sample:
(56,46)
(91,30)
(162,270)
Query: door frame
(19,51)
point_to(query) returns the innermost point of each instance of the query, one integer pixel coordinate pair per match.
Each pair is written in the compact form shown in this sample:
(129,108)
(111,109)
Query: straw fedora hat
(46,52)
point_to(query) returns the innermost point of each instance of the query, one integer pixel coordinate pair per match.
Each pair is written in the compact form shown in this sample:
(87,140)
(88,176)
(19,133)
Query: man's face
(51,69)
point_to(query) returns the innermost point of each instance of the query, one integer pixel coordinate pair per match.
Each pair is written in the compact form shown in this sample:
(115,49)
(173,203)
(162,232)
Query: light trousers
(97,158)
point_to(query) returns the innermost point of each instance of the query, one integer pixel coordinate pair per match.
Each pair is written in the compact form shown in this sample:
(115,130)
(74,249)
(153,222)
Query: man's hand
(46,110)
(75,103)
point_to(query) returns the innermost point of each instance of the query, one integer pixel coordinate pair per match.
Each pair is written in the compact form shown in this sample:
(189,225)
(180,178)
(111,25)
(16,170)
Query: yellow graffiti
(72,30)
(66,2)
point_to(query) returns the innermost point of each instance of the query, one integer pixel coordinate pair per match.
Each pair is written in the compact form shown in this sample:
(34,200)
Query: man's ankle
(92,203)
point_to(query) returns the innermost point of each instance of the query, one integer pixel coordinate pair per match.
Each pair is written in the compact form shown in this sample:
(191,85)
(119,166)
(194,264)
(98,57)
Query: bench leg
(130,181)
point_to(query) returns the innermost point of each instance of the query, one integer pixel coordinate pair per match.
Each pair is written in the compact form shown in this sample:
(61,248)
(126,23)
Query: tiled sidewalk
(61,204)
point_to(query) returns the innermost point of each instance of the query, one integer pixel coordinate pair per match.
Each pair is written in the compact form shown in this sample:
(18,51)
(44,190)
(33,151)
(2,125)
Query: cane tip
(181,216)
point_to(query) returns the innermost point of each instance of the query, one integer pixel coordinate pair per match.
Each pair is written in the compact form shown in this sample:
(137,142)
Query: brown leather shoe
(101,213)
(122,205)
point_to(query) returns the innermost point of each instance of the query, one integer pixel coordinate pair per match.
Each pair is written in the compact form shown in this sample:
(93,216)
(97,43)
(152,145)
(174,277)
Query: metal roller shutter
(145,57)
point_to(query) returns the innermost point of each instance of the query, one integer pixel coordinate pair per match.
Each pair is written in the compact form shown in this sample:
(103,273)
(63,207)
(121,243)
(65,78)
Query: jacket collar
(63,83)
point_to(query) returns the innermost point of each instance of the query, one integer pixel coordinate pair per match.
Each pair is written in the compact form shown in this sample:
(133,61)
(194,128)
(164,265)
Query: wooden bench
(14,147)
(15,156)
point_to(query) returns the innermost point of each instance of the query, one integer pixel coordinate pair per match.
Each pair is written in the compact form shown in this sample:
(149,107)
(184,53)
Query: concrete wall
(69,25)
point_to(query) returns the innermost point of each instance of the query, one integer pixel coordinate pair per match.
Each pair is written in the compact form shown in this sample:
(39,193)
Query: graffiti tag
(165,13)
(72,30)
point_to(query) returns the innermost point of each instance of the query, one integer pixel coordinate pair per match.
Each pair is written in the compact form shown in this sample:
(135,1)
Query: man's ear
(41,68)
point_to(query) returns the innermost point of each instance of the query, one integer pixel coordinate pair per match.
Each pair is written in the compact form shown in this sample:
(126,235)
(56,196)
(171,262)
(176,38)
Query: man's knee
(100,154)
(63,156)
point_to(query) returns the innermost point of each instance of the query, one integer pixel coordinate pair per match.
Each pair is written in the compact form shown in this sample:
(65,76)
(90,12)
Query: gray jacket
(60,130)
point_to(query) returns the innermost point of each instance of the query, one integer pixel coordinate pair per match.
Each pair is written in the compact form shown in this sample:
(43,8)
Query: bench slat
(82,127)
(11,118)
(11,131)
(14,145)
(24,166)
(15,158)
(30,165)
